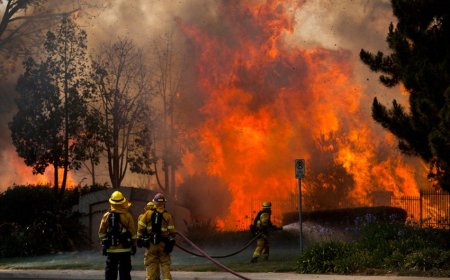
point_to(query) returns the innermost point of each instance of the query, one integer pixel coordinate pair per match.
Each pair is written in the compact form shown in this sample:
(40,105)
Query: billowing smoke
(208,197)
(263,83)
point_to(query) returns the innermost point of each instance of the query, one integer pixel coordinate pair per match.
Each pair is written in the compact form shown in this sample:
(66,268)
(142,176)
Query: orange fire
(265,103)
(20,174)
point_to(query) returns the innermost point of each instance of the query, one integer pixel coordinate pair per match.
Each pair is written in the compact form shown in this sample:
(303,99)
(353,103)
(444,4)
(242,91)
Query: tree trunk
(115,155)
(172,145)
(93,172)
(66,140)
(66,122)
(55,177)
(166,177)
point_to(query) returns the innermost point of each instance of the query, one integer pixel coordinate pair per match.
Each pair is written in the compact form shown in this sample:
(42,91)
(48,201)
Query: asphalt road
(33,274)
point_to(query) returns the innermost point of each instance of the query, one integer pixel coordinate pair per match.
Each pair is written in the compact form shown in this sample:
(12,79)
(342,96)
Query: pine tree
(420,60)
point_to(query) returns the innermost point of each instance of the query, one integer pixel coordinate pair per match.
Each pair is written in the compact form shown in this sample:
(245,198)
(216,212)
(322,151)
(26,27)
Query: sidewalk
(188,275)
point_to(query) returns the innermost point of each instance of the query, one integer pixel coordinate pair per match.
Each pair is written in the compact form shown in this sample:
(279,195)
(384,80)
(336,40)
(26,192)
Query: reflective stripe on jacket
(145,223)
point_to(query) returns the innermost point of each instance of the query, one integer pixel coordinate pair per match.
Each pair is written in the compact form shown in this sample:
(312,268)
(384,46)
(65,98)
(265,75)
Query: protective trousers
(154,258)
(262,247)
(118,262)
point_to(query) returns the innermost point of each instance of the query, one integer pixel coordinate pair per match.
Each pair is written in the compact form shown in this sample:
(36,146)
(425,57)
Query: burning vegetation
(249,98)
(266,102)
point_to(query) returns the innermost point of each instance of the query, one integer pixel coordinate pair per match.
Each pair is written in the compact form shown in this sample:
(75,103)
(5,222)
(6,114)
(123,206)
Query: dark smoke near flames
(207,196)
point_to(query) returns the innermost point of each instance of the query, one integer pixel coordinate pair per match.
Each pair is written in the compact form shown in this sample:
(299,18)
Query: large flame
(265,103)
(20,174)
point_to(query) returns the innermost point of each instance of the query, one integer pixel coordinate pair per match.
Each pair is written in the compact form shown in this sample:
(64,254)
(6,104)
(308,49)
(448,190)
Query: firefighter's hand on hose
(133,250)
(274,228)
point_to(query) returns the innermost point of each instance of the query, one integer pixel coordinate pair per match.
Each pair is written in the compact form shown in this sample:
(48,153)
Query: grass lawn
(284,251)
(284,254)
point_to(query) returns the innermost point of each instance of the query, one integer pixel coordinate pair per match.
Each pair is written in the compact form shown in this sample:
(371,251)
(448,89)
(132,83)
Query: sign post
(299,174)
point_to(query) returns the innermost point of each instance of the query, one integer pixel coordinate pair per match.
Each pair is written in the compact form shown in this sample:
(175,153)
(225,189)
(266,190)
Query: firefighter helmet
(159,199)
(117,198)
(266,205)
(150,205)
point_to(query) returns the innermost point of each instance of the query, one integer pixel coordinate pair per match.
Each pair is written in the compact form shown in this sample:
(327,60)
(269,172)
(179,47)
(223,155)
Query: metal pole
(421,206)
(300,213)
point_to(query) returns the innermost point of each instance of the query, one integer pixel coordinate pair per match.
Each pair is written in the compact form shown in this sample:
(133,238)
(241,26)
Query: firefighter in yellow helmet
(117,233)
(156,234)
(149,207)
(262,225)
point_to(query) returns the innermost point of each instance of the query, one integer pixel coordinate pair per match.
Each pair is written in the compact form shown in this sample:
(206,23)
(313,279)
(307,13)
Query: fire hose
(223,256)
(203,253)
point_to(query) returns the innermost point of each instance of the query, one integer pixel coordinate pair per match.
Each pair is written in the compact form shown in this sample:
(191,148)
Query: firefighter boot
(265,254)
(254,260)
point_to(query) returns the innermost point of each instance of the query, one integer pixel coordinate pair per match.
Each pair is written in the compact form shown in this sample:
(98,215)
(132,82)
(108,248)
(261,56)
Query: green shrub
(378,238)
(381,244)
(427,259)
(22,204)
(394,261)
(385,239)
(10,241)
(353,261)
(321,258)
(33,221)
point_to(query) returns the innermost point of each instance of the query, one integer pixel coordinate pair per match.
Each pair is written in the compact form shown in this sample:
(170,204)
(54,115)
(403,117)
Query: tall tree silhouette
(169,75)
(52,103)
(123,85)
(420,60)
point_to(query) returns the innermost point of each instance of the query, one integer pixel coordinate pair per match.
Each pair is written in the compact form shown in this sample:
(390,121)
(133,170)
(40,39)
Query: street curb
(36,274)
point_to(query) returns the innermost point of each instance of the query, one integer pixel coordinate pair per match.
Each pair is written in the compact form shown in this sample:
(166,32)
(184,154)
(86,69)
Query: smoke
(345,24)
(207,196)
(287,92)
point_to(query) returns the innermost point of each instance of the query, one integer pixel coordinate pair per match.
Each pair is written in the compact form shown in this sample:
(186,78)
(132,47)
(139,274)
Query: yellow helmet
(117,198)
(150,206)
(266,205)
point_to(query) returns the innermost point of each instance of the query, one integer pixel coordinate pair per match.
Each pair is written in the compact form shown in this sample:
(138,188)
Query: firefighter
(148,208)
(117,233)
(262,225)
(156,234)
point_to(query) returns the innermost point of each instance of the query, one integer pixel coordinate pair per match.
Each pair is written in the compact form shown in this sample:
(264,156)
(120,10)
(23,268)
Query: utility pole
(299,174)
